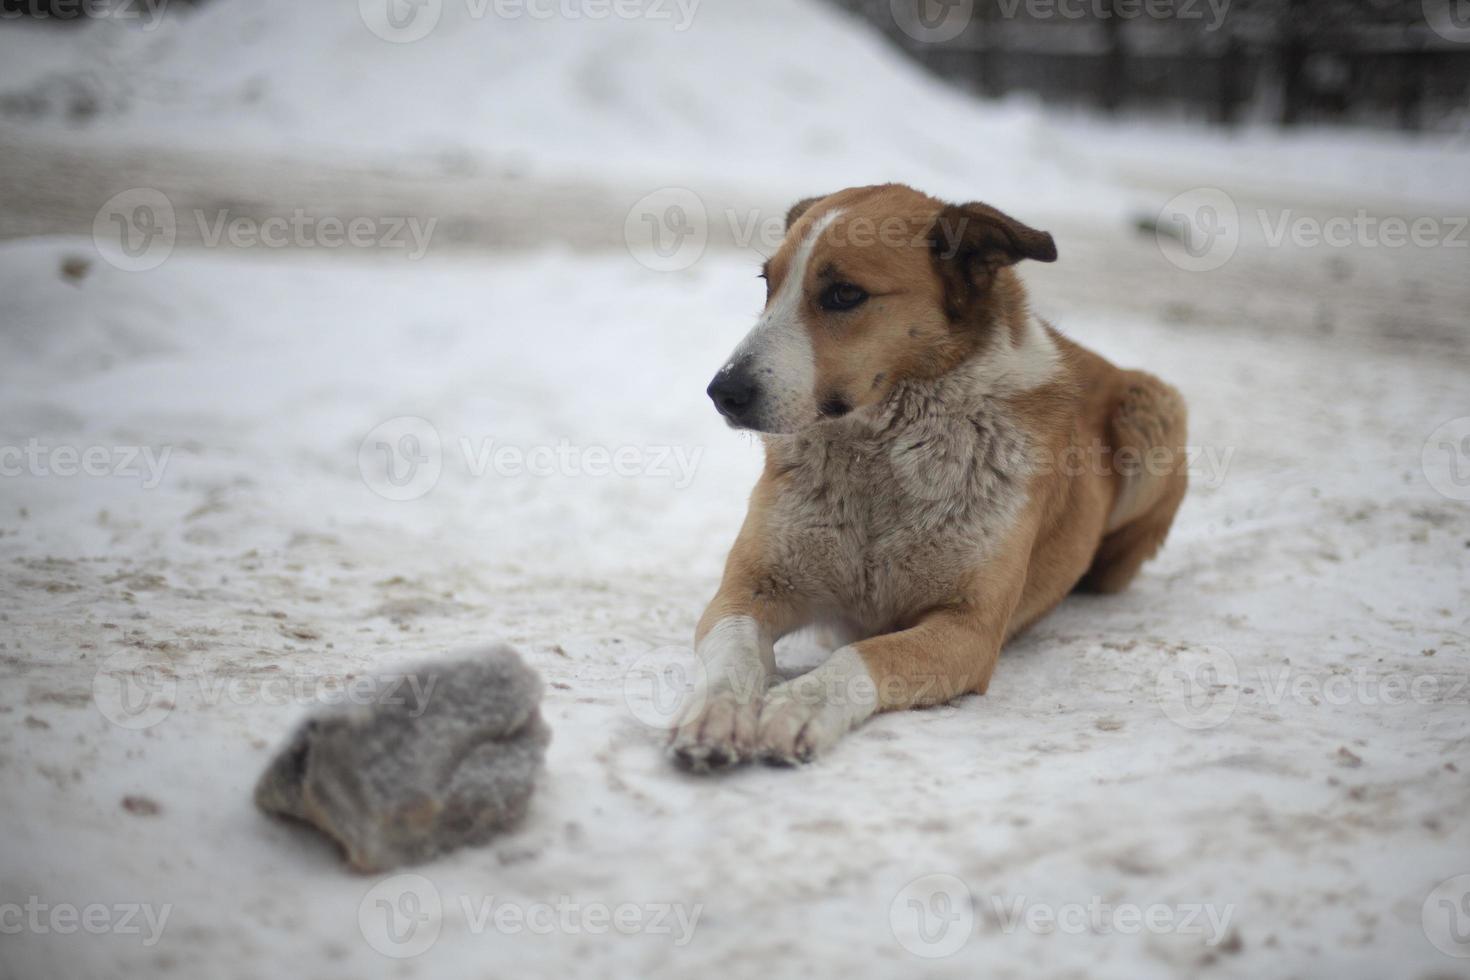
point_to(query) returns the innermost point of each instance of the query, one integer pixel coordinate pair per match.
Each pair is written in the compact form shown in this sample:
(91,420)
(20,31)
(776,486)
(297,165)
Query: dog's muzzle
(735,393)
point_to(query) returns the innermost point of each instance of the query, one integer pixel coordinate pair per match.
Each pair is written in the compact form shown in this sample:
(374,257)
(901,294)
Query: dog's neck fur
(933,476)
(945,455)
(1021,356)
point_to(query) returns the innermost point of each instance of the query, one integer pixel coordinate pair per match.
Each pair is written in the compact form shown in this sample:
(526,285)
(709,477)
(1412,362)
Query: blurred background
(1380,63)
(338,334)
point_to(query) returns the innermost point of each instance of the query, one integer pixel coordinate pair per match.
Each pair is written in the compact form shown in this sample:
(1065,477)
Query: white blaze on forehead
(779,349)
(788,300)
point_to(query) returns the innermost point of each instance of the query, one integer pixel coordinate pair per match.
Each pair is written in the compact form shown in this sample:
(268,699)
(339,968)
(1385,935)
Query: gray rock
(447,758)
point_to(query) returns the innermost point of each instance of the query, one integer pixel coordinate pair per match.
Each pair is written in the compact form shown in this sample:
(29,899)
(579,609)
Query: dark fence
(1400,63)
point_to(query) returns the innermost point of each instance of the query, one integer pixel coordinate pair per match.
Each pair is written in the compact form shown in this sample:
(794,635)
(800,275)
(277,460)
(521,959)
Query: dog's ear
(972,242)
(798,209)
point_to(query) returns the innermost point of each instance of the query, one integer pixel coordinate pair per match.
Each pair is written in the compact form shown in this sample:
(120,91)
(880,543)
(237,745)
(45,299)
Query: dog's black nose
(733,393)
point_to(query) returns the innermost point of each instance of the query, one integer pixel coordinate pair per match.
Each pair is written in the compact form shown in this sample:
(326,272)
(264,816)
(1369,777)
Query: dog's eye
(842,296)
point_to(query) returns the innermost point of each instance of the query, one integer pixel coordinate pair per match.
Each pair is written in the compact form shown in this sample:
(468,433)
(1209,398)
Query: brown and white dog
(942,468)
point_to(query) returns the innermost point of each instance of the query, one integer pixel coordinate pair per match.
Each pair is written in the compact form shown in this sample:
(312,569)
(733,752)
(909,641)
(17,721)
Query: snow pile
(766,91)
(785,96)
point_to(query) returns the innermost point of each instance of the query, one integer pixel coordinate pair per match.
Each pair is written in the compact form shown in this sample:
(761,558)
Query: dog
(942,468)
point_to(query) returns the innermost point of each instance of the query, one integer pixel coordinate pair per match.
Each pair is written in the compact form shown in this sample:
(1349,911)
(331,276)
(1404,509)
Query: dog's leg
(1149,430)
(735,642)
(1123,552)
(947,653)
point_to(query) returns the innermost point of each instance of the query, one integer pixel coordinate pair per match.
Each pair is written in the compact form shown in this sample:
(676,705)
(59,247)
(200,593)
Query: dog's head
(873,286)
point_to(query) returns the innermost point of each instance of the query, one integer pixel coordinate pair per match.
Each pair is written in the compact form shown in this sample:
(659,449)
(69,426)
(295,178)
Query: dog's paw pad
(794,732)
(718,735)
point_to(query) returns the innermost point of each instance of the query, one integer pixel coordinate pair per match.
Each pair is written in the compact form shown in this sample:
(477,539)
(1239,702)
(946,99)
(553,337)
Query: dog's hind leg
(1148,430)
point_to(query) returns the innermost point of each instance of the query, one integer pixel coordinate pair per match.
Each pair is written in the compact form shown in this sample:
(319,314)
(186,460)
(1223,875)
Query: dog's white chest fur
(878,519)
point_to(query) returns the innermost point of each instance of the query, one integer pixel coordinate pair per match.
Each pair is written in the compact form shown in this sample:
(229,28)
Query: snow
(1309,801)
(786,96)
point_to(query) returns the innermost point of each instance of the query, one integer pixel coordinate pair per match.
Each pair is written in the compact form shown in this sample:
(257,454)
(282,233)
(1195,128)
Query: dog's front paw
(718,730)
(803,718)
(797,723)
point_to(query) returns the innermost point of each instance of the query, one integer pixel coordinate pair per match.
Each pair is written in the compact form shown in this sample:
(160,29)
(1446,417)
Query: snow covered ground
(1255,762)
